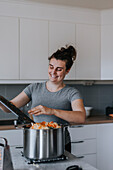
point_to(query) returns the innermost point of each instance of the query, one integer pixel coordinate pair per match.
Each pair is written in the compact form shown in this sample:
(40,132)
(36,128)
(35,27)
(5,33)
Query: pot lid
(22,117)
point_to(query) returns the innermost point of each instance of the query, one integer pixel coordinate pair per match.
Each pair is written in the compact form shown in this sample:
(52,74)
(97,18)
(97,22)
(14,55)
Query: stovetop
(35,161)
(20,163)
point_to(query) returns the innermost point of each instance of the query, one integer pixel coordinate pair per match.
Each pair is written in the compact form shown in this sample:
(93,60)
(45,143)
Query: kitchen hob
(20,163)
(50,160)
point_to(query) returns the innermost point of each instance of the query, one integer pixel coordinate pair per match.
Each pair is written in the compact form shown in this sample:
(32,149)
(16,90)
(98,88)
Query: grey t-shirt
(39,95)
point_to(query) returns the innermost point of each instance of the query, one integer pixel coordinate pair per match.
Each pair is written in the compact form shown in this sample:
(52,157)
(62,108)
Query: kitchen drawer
(82,132)
(89,158)
(84,147)
(14,137)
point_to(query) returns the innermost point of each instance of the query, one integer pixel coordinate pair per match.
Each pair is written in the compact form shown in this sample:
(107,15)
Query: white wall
(107,17)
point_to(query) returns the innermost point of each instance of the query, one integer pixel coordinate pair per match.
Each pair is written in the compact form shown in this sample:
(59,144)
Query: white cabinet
(105,146)
(88,48)
(94,144)
(61,34)
(14,137)
(107,52)
(33,49)
(83,143)
(27,43)
(9,59)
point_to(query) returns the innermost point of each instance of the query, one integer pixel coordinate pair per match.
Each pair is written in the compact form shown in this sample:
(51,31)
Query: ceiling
(92,4)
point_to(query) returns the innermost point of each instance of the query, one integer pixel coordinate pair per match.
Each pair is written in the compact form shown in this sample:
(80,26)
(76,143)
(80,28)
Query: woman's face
(57,70)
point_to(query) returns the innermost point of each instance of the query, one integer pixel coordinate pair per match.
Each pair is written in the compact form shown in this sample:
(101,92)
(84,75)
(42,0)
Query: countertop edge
(89,121)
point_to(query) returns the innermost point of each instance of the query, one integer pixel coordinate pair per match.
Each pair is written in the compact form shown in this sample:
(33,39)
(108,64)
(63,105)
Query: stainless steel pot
(44,143)
(38,144)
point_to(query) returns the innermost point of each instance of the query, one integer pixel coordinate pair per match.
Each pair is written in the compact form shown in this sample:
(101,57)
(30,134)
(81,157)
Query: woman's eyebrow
(57,67)
(50,64)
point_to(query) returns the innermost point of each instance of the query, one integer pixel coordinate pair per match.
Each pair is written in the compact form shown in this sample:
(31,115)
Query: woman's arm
(77,115)
(21,100)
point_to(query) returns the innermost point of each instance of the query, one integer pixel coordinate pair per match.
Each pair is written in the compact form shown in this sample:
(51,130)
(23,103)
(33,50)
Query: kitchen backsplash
(97,96)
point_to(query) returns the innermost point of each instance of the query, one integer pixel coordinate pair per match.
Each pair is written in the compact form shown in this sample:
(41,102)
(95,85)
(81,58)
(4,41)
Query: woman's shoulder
(73,93)
(71,88)
(35,85)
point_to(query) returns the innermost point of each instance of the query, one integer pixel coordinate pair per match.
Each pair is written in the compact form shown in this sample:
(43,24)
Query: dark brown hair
(67,54)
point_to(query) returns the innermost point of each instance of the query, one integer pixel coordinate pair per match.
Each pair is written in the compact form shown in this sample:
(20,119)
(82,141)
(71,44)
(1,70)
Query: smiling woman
(57,70)
(53,100)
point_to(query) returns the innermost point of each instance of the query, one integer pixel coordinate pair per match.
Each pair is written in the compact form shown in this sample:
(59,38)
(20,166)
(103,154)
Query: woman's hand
(38,110)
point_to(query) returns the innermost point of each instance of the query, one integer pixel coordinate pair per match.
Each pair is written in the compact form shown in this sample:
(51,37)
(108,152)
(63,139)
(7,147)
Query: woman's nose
(54,71)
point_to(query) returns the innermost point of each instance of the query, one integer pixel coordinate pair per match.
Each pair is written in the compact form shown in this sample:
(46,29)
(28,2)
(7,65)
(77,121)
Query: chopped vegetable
(45,125)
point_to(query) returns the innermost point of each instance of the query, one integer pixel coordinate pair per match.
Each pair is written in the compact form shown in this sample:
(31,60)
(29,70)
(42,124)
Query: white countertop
(19,162)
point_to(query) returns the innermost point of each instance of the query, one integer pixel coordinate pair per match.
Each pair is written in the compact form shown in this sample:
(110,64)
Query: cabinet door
(83,143)
(9,59)
(89,158)
(79,133)
(88,45)
(61,34)
(33,49)
(84,147)
(107,52)
(105,146)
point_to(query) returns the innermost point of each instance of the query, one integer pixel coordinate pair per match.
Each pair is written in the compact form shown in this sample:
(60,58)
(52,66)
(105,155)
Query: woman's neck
(52,87)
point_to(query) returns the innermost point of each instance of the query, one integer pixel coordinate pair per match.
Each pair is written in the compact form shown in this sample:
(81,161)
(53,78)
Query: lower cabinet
(105,146)
(14,137)
(90,159)
(93,144)
(83,143)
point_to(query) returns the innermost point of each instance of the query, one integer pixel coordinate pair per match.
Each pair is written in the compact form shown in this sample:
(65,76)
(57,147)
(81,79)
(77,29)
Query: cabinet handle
(76,126)
(80,157)
(81,141)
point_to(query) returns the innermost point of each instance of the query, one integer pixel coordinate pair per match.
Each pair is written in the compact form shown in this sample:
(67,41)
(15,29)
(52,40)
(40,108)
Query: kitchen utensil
(22,118)
(38,144)
(44,143)
(88,110)
(5,156)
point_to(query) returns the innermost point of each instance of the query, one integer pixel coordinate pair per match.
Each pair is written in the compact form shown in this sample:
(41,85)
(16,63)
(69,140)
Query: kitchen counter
(99,119)
(8,124)
(96,120)
(20,163)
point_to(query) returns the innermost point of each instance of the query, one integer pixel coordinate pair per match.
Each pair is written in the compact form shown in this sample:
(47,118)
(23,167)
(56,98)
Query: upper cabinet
(27,43)
(107,52)
(28,36)
(33,49)
(61,34)
(88,48)
(40,39)
(9,58)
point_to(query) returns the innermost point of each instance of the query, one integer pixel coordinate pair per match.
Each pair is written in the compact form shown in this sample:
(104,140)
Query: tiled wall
(97,96)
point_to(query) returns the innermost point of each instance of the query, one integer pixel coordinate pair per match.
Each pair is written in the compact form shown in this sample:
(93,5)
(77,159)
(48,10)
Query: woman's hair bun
(67,54)
(72,52)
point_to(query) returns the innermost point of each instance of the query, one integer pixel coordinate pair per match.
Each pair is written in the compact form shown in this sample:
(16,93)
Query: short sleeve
(28,90)
(74,94)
